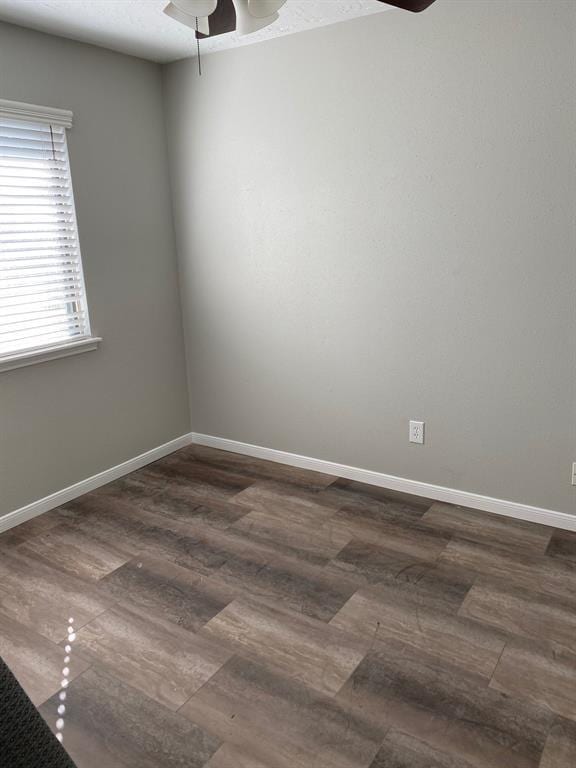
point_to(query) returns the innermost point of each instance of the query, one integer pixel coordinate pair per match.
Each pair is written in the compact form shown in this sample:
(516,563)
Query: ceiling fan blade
(410,5)
(184,18)
(196,7)
(262,8)
(246,23)
(222,20)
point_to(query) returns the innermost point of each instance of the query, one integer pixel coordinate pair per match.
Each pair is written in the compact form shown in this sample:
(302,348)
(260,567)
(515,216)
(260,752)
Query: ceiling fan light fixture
(190,21)
(246,24)
(195,8)
(262,8)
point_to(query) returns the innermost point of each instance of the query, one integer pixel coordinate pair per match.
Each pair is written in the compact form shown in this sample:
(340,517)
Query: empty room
(288,384)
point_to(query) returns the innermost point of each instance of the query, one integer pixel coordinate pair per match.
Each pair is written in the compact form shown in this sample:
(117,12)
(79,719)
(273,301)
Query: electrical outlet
(574,473)
(416,433)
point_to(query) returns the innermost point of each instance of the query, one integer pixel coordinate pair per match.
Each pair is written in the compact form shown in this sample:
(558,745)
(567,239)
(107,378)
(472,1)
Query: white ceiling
(140,28)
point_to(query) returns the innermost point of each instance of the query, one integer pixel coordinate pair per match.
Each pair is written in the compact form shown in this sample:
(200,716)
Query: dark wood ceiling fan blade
(222,20)
(410,5)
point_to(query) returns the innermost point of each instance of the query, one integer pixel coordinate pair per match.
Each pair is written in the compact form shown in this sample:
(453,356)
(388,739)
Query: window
(43,309)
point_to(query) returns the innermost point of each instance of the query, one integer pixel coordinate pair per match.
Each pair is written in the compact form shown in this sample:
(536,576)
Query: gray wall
(63,421)
(376,223)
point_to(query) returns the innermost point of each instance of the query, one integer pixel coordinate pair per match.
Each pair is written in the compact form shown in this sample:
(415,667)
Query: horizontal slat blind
(42,298)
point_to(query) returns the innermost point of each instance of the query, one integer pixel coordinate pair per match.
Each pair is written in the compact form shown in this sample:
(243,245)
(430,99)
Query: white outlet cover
(416,432)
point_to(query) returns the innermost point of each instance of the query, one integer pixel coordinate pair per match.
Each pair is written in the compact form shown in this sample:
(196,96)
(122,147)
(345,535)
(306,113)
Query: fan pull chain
(198,46)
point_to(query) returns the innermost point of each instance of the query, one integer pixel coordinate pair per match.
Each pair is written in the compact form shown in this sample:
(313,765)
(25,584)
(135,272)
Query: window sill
(43,355)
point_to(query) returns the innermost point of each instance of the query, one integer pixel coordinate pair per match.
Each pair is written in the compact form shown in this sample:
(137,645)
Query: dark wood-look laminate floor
(234,613)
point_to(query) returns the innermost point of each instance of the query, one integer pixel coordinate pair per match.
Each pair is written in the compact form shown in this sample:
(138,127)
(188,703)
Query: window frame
(14,110)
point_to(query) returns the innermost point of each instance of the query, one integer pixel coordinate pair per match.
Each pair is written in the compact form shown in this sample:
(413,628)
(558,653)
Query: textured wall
(63,421)
(375,223)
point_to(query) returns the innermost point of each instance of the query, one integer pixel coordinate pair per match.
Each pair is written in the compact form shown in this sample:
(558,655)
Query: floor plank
(28,530)
(195,546)
(260,469)
(487,528)
(283,500)
(560,748)
(281,515)
(174,501)
(368,563)
(36,662)
(177,594)
(43,599)
(301,647)
(73,551)
(410,537)
(563,546)
(110,725)
(201,478)
(245,701)
(229,756)
(522,612)
(380,612)
(445,708)
(538,672)
(402,751)
(147,533)
(539,574)
(164,661)
(347,493)
(296,584)
(187,483)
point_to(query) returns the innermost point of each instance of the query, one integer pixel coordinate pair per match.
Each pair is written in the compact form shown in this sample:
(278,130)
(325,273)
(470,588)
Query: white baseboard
(90,484)
(427,490)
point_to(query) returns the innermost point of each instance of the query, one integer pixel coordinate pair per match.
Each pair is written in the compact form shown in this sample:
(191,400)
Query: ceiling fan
(216,17)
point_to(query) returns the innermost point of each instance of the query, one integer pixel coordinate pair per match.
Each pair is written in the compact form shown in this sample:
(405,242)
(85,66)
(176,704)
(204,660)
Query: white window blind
(42,295)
